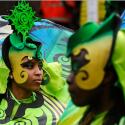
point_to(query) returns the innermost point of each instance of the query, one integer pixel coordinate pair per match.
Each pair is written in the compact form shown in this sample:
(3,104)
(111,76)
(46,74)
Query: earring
(11,76)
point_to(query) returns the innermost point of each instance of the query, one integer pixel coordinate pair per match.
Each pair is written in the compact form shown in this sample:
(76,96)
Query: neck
(19,92)
(105,102)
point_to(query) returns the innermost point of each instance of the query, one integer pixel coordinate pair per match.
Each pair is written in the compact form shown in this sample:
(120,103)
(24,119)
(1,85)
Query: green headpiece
(89,31)
(81,35)
(22,19)
(97,42)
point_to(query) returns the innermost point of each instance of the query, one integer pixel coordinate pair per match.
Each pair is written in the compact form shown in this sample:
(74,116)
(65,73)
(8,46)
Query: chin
(75,100)
(35,89)
(79,102)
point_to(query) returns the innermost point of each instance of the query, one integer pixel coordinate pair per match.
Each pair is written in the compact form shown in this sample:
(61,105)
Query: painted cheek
(20,75)
(15,57)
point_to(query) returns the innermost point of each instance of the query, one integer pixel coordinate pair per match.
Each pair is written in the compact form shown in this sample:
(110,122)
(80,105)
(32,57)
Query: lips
(39,81)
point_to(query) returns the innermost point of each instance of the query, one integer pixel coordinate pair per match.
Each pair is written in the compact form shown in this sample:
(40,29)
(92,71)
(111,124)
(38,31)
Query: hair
(113,115)
(5,51)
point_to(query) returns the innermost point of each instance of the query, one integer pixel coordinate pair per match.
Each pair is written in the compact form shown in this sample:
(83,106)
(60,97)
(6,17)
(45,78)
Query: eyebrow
(24,58)
(81,56)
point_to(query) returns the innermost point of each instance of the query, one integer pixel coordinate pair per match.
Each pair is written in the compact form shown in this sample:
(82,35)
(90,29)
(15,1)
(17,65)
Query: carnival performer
(32,92)
(97,80)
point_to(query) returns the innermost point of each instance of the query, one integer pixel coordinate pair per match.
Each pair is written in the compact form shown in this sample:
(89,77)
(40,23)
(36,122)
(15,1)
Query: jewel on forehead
(30,58)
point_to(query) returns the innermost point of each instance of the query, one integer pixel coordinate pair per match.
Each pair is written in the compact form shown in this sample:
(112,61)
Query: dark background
(5,6)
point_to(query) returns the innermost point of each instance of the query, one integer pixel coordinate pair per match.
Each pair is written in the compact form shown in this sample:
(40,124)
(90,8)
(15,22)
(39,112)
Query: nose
(70,78)
(38,71)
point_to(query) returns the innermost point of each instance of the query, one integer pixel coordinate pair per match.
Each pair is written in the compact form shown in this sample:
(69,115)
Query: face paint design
(15,57)
(89,61)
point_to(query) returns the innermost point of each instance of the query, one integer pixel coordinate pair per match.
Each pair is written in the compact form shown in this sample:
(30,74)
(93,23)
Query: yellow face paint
(15,57)
(90,75)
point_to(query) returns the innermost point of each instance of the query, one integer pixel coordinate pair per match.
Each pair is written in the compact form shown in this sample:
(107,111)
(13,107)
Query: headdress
(19,44)
(98,42)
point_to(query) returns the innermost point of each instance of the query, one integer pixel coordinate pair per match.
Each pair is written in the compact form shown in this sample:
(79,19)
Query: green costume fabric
(118,59)
(122,121)
(46,110)
(42,108)
(73,114)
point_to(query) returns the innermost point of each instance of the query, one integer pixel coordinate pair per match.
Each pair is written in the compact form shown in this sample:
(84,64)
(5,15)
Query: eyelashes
(27,65)
(30,65)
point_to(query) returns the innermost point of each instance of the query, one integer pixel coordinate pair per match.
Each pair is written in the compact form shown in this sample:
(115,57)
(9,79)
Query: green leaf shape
(16,41)
(22,18)
(31,45)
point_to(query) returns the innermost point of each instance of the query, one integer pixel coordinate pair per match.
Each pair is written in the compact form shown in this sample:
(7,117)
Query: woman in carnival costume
(24,98)
(97,81)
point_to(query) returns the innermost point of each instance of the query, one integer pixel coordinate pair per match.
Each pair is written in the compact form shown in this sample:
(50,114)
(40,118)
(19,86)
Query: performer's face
(88,69)
(80,96)
(16,58)
(34,70)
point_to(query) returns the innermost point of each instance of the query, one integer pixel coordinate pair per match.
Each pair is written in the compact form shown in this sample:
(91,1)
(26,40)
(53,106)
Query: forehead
(79,53)
(30,59)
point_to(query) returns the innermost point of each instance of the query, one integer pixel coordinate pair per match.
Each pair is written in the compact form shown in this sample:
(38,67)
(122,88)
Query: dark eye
(28,65)
(75,67)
